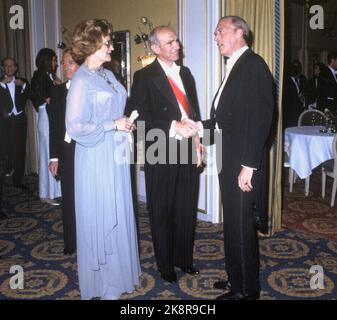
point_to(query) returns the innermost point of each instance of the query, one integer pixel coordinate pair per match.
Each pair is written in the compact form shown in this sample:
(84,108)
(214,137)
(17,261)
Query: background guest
(293,94)
(14,92)
(44,79)
(107,246)
(62,151)
(329,74)
(316,88)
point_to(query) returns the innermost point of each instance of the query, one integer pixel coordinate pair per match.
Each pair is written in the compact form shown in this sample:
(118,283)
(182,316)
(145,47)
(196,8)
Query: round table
(307,148)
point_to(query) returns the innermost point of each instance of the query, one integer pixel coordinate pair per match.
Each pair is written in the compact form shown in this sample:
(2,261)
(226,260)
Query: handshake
(187,128)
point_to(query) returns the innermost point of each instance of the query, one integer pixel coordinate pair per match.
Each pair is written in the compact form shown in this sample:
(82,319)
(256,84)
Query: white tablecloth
(307,148)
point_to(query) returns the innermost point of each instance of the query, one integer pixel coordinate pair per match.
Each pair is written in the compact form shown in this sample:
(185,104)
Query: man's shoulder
(22,79)
(255,61)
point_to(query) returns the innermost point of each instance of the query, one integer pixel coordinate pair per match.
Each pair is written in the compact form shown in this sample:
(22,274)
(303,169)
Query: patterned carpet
(32,238)
(312,214)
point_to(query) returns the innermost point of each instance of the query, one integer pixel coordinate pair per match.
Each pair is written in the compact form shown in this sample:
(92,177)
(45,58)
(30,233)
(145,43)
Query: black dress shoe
(190,270)
(237,296)
(68,251)
(169,277)
(222,285)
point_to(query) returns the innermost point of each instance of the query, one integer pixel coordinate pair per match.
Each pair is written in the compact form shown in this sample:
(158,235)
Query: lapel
(233,75)
(187,83)
(159,79)
(17,92)
(10,103)
(64,95)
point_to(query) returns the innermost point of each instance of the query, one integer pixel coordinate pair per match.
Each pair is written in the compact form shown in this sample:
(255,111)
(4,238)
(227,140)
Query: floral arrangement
(144,37)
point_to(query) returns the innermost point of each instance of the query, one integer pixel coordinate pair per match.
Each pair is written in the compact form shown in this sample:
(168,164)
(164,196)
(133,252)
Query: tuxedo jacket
(316,92)
(155,101)
(244,114)
(330,86)
(292,105)
(21,96)
(57,128)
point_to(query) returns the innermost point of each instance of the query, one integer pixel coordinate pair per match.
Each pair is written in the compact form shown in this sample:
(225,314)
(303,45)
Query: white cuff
(173,131)
(54,160)
(201,129)
(248,167)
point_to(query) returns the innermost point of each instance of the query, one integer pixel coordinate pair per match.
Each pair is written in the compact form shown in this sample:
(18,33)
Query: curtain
(16,44)
(266,20)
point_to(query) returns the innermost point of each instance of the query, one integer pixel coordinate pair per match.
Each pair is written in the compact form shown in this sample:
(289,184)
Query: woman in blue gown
(107,246)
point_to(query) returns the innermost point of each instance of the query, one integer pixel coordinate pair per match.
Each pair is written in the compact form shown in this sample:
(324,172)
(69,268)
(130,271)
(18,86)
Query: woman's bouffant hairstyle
(87,37)
(44,59)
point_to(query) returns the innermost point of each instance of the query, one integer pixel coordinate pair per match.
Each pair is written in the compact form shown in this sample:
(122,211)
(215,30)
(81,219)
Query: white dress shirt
(231,61)
(174,74)
(11,88)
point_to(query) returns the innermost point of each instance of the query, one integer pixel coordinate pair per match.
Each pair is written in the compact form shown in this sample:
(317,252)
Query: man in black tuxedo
(14,93)
(329,75)
(165,96)
(316,88)
(3,153)
(242,112)
(62,151)
(294,93)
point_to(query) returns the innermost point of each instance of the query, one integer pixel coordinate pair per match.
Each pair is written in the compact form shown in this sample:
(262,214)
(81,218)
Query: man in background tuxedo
(3,154)
(293,94)
(14,93)
(329,75)
(242,112)
(62,151)
(165,95)
(316,88)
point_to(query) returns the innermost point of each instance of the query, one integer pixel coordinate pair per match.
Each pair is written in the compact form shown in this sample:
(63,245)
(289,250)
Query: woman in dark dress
(44,79)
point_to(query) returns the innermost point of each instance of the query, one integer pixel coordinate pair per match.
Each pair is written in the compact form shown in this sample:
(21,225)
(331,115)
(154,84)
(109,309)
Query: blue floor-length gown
(49,188)
(107,247)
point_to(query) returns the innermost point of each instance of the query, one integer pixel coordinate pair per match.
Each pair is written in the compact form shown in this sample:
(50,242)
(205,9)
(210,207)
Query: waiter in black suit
(62,150)
(164,95)
(14,93)
(329,75)
(242,111)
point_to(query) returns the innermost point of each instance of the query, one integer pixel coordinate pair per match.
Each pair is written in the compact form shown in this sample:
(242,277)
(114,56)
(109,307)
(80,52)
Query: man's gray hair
(153,35)
(240,23)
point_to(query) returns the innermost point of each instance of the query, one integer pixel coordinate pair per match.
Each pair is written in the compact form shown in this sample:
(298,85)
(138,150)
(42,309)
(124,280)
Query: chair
(329,168)
(310,118)
(286,164)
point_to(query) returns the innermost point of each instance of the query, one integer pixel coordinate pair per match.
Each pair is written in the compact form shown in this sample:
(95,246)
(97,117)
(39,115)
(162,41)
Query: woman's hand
(124,124)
